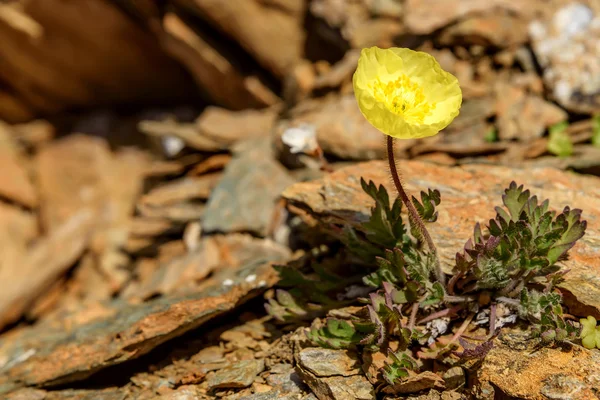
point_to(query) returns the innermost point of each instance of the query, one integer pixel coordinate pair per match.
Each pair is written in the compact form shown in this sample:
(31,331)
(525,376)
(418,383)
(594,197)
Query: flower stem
(412,212)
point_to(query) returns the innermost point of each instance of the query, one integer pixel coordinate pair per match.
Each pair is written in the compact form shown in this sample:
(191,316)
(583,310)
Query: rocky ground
(146,193)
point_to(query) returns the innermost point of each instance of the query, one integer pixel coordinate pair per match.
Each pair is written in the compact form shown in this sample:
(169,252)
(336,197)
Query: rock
(469,194)
(271,395)
(342,388)
(85,161)
(340,380)
(177,213)
(546,373)
(565,47)
(585,159)
(236,376)
(182,273)
(186,132)
(182,189)
(15,184)
(71,394)
(33,133)
(445,395)
(348,136)
(213,67)
(228,127)
(34,271)
(216,128)
(287,381)
(340,72)
(423,16)
(327,362)
(149,227)
(182,393)
(487,30)
(107,184)
(355,22)
(277,46)
(213,163)
(62,56)
(244,200)
(454,378)
(74,346)
(524,116)
(426,380)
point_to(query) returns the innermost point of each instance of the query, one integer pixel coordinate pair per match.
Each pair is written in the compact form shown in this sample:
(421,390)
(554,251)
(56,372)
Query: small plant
(596,130)
(336,334)
(400,366)
(559,142)
(590,333)
(308,295)
(511,262)
(491,136)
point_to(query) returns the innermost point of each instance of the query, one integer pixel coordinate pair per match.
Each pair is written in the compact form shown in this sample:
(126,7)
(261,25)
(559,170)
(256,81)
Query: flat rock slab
(333,374)
(546,373)
(53,353)
(327,362)
(245,198)
(236,376)
(469,194)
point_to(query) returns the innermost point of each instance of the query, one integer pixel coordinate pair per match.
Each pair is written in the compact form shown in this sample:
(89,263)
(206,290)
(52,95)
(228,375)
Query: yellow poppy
(405,93)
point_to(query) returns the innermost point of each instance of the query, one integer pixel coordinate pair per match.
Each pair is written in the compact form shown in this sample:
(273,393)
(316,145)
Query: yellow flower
(405,93)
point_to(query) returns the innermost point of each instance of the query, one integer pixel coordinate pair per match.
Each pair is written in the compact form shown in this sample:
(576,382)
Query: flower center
(403,97)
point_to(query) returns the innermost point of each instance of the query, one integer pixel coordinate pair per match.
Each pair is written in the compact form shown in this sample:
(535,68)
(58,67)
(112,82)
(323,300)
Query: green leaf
(596,130)
(335,334)
(436,295)
(391,269)
(514,200)
(385,226)
(491,136)
(399,366)
(574,229)
(426,207)
(559,142)
(340,328)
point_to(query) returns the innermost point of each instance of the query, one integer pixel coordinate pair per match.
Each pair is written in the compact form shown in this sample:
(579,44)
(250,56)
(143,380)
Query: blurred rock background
(141,156)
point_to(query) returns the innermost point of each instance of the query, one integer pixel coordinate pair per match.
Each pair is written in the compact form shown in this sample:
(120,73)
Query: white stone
(301,139)
(573,18)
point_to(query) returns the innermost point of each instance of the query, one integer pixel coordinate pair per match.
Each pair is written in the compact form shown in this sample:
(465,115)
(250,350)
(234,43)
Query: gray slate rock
(236,376)
(245,198)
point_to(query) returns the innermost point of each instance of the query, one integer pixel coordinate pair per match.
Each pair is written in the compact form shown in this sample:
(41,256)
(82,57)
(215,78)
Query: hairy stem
(412,212)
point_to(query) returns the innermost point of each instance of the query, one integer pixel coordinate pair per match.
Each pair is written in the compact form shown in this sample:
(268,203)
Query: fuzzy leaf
(399,367)
(514,200)
(426,207)
(574,229)
(335,334)
(385,226)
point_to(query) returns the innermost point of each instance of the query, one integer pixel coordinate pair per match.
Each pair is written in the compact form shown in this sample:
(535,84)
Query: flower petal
(439,89)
